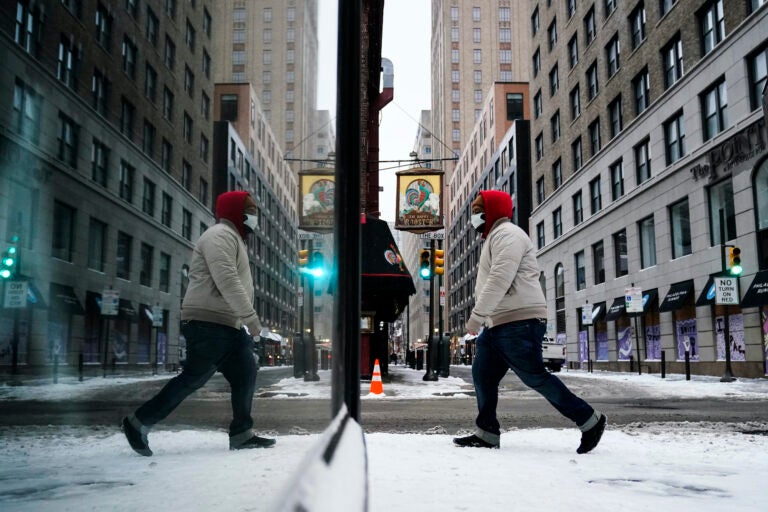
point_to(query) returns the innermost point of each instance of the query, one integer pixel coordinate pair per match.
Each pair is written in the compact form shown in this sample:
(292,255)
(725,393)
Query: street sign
(633,298)
(110,302)
(310,236)
(726,291)
(586,314)
(157,316)
(442,295)
(433,235)
(16,294)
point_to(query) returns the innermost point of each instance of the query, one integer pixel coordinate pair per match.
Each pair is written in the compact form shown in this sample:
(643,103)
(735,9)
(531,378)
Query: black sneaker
(591,437)
(473,441)
(254,442)
(136,439)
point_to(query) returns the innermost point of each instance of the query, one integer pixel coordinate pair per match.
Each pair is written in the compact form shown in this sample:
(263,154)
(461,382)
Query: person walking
(217,305)
(510,302)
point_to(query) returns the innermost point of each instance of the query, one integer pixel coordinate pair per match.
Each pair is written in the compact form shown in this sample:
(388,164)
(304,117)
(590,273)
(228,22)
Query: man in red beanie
(511,304)
(217,306)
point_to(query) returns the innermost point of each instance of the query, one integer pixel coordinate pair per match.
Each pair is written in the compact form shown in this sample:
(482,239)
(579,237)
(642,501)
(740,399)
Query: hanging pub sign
(316,199)
(419,200)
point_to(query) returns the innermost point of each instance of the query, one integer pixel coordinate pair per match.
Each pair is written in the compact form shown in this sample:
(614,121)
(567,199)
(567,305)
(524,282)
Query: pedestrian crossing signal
(425,264)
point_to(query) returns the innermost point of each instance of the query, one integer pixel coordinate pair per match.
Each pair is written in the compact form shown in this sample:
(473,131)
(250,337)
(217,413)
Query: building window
(575,103)
(132,6)
(165,272)
(202,193)
(454,34)
(674,138)
(514,106)
(594,136)
(63,236)
(620,258)
(672,55)
(540,191)
(99,162)
(720,196)
(152,26)
(589,26)
(505,35)
(592,85)
(97,244)
(129,53)
(166,213)
(68,140)
(203,148)
(454,56)
(167,104)
(552,34)
(189,81)
(127,173)
(207,22)
(186,224)
(557,223)
(557,173)
(475,14)
(187,128)
(612,51)
(504,14)
(554,123)
(169,54)
(148,200)
(170,9)
(505,57)
(680,229)
(148,142)
(665,6)
(643,161)
(581,271)
(559,298)
(166,156)
(647,233)
(100,92)
(26,111)
(576,153)
(554,81)
(150,83)
(714,109)
(478,76)
(536,62)
(123,261)
(476,36)
(189,37)
(614,110)
(711,25)
(578,209)
(617,180)
(65,67)
(147,257)
(637,25)
(540,241)
(570,6)
(595,196)
(477,56)
(537,105)
(758,75)
(573,51)
(455,135)
(598,262)
(539,146)
(186,174)
(535,23)
(28,27)
(641,89)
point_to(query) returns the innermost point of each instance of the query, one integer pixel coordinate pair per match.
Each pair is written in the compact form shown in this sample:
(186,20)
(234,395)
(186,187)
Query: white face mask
(477,220)
(250,221)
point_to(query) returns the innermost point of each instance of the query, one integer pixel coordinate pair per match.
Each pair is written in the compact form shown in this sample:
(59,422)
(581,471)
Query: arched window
(760,187)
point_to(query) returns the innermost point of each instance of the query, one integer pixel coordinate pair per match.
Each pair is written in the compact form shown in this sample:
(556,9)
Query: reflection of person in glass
(217,305)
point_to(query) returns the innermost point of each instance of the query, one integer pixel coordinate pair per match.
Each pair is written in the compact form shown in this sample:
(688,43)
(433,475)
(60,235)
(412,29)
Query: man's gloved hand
(474,324)
(253,325)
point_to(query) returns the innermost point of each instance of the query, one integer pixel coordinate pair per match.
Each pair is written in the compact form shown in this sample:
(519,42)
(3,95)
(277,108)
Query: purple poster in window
(652,342)
(735,335)
(583,354)
(687,337)
(764,327)
(624,343)
(601,346)
(161,347)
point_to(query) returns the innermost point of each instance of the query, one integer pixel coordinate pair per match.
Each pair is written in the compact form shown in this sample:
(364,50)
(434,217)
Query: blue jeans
(210,348)
(517,345)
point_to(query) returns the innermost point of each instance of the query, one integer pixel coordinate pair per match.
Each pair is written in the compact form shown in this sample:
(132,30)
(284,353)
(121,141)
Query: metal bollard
(687,365)
(55,369)
(80,366)
(631,364)
(663,364)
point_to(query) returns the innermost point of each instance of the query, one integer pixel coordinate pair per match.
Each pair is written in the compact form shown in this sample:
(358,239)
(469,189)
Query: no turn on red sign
(727,291)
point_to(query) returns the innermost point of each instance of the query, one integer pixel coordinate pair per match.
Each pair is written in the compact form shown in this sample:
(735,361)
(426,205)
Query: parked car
(553,354)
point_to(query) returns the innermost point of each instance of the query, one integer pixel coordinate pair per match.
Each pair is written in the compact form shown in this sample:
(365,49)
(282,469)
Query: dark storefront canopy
(757,293)
(707,296)
(386,283)
(616,309)
(64,300)
(649,297)
(126,308)
(676,296)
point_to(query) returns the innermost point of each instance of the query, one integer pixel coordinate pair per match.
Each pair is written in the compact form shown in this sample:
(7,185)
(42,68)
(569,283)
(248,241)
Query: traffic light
(734,258)
(439,261)
(425,264)
(303,259)
(10,261)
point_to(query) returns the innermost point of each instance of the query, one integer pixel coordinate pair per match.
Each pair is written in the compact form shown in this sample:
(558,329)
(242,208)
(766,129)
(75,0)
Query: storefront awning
(126,309)
(616,309)
(64,300)
(676,296)
(757,293)
(598,313)
(649,297)
(707,296)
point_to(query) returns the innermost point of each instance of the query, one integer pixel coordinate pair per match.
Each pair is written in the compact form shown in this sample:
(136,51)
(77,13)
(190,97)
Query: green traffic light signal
(425,264)
(316,266)
(734,256)
(9,262)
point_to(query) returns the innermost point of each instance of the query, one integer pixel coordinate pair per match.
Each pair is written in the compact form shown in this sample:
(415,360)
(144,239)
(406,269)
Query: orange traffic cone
(376,387)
